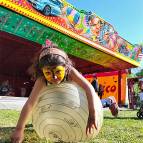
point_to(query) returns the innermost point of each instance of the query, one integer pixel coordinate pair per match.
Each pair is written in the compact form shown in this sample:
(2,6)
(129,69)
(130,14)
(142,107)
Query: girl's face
(54,74)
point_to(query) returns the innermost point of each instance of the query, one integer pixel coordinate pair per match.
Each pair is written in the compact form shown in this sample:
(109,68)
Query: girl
(53,67)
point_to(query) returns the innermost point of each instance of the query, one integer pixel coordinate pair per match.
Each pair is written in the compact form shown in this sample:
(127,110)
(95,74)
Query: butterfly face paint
(54,75)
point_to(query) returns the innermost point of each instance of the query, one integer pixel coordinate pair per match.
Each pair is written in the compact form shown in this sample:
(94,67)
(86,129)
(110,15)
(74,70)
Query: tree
(140,73)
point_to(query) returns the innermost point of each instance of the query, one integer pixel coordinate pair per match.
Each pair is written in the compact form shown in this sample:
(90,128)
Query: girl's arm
(18,134)
(90,93)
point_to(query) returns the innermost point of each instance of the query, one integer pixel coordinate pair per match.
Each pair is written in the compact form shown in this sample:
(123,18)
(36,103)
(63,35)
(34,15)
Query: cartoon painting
(47,7)
(84,23)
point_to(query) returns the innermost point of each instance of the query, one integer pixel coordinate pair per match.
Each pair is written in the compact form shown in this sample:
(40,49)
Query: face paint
(47,73)
(59,72)
(54,74)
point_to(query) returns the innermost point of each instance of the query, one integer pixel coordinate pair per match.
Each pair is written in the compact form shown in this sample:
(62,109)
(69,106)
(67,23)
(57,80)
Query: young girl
(53,67)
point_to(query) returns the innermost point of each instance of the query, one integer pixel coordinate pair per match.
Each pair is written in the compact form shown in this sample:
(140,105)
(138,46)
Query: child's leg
(112,104)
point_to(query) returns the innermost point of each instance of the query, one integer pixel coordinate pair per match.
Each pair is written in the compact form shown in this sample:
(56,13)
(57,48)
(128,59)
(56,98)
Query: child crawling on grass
(54,67)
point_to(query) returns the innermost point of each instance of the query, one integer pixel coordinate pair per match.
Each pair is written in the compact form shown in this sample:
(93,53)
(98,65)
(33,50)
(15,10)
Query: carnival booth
(91,42)
(113,84)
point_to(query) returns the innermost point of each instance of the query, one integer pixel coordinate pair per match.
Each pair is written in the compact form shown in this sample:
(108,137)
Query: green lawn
(124,129)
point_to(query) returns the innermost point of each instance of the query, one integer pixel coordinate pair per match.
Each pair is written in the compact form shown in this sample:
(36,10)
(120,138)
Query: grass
(126,128)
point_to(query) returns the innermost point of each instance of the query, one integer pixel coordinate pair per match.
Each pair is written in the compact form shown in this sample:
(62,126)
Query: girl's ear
(67,67)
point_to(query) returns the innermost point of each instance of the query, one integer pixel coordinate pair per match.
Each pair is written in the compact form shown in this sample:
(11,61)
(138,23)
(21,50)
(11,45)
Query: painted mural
(83,23)
(29,29)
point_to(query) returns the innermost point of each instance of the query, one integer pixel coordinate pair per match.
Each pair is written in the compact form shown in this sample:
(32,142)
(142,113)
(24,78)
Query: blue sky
(126,16)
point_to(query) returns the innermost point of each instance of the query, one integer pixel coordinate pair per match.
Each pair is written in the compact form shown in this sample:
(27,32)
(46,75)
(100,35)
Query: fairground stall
(91,42)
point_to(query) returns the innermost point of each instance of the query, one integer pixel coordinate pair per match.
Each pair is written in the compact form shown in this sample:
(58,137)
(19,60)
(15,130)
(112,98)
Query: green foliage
(136,89)
(140,73)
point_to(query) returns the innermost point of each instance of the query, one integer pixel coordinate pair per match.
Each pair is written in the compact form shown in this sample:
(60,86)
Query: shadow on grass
(126,118)
(29,126)
(5,133)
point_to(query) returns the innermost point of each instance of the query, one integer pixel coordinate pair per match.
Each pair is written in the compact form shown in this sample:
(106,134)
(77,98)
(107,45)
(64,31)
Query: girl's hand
(17,136)
(91,124)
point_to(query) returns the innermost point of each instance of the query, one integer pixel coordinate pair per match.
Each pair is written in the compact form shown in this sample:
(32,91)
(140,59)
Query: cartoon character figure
(76,20)
(109,41)
(90,26)
(139,53)
(108,36)
(122,46)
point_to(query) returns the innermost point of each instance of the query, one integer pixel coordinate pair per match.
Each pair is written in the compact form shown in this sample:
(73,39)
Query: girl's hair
(50,55)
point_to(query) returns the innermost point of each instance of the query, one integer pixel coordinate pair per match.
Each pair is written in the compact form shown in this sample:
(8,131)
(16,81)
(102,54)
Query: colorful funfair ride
(92,42)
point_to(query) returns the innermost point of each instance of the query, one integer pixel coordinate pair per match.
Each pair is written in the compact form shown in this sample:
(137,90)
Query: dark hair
(49,59)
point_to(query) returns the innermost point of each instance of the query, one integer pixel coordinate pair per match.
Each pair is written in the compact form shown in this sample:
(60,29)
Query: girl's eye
(48,73)
(57,72)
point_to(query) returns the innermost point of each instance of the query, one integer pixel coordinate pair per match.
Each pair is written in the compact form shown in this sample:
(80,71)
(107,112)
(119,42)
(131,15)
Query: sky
(126,16)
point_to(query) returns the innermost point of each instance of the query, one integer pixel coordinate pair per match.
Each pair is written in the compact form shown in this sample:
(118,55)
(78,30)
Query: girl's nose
(54,76)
